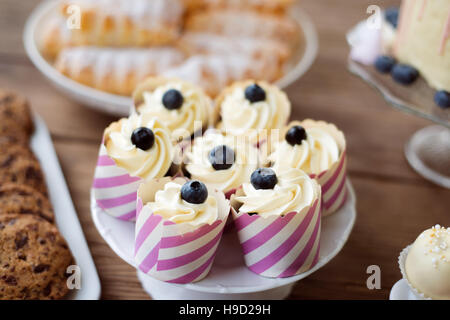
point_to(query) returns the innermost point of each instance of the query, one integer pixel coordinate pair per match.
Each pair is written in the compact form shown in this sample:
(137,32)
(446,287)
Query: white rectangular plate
(65,215)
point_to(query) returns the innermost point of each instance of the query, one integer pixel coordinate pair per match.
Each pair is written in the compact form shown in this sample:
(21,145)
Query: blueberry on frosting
(143,138)
(263,178)
(296,135)
(194,192)
(172,99)
(255,93)
(221,157)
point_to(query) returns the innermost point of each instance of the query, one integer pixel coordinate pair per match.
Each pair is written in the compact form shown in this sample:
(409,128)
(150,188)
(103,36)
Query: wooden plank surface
(394,204)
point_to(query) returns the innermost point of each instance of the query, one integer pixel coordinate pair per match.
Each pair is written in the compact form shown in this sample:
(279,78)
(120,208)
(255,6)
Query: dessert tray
(428,150)
(119,105)
(229,277)
(402,291)
(65,215)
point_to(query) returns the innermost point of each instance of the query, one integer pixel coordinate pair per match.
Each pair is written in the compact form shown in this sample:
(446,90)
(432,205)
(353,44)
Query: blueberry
(172,99)
(221,157)
(255,93)
(263,178)
(143,138)
(391,16)
(442,99)
(194,192)
(296,135)
(404,74)
(384,64)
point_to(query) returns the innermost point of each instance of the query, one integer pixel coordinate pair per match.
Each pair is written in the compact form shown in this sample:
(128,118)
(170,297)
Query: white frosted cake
(422,39)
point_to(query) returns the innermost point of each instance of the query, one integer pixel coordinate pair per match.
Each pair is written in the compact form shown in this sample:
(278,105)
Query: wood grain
(394,203)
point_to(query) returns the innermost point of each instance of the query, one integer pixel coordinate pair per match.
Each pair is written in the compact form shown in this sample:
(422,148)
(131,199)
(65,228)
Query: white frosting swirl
(240,116)
(169,204)
(320,150)
(294,191)
(200,168)
(181,122)
(148,164)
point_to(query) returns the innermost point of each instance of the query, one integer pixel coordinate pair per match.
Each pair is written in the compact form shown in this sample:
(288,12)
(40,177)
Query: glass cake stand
(428,150)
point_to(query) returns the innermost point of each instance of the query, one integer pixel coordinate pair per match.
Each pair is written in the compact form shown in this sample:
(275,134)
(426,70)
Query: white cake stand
(428,150)
(229,278)
(401,291)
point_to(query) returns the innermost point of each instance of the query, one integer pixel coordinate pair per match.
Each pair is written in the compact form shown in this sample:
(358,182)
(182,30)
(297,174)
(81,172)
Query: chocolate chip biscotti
(17,198)
(33,260)
(24,171)
(15,108)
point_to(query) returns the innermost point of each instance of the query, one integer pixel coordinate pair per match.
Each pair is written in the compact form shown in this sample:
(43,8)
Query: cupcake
(222,162)
(317,148)
(183,107)
(426,264)
(278,219)
(134,149)
(178,228)
(253,109)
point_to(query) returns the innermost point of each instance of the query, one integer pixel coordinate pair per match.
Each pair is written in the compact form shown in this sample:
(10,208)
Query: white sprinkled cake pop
(428,263)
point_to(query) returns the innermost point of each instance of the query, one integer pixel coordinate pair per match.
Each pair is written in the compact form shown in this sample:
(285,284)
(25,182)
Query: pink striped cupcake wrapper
(229,226)
(279,247)
(177,253)
(114,189)
(333,184)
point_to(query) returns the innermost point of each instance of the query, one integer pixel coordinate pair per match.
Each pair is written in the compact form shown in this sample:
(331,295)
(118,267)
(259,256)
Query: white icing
(294,191)
(320,150)
(270,4)
(191,116)
(118,63)
(229,22)
(209,43)
(147,164)
(145,13)
(240,116)
(169,204)
(199,166)
(214,72)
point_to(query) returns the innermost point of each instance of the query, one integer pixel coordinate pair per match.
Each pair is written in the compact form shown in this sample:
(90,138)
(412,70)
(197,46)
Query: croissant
(277,6)
(113,23)
(234,23)
(115,70)
(215,72)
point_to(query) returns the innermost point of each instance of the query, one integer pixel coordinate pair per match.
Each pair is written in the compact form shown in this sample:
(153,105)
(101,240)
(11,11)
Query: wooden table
(394,203)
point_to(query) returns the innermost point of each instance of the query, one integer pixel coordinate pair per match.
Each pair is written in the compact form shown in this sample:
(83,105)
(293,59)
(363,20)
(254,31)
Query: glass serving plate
(428,150)
(302,59)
